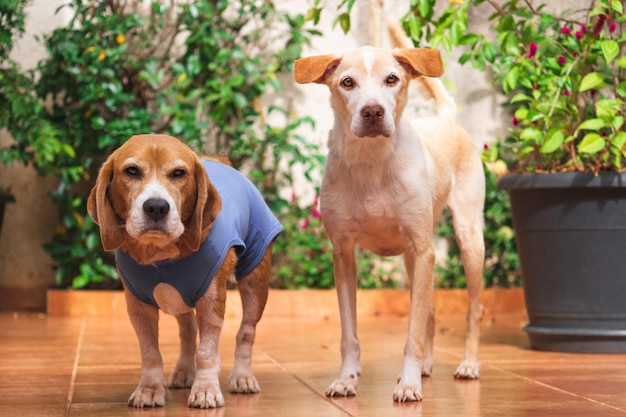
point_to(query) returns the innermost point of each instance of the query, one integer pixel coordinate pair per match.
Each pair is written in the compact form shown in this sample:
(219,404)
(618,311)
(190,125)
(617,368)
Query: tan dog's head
(369,86)
(153,198)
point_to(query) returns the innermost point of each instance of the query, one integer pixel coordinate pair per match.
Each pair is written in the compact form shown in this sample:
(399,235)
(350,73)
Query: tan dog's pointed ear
(314,69)
(420,61)
(208,206)
(101,211)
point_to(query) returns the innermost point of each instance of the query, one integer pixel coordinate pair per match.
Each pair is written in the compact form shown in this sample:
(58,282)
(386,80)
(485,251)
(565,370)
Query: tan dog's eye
(392,79)
(347,83)
(132,172)
(178,173)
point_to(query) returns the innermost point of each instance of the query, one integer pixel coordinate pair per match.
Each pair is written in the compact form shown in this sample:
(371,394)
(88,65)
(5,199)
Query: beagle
(180,226)
(385,183)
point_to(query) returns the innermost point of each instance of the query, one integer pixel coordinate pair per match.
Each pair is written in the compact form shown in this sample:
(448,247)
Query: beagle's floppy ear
(208,206)
(101,211)
(420,61)
(314,69)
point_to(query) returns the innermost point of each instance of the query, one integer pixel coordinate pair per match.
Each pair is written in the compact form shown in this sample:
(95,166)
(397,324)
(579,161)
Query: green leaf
(610,49)
(592,143)
(591,81)
(553,143)
(415,28)
(520,97)
(531,134)
(425,8)
(621,61)
(344,22)
(510,80)
(592,124)
(619,141)
(490,51)
(617,6)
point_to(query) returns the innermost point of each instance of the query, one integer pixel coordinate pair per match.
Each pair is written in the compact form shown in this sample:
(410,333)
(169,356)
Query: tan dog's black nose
(156,208)
(373,113)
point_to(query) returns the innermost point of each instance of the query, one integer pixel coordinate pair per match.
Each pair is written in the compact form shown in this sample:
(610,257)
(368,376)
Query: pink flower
(566,31)
(599,25)
(566,92)
(532,50)
(578,35)
(612,27)
(562,60)
(514,121)
(315,213)
(485,146)
(583,28)
(305,224)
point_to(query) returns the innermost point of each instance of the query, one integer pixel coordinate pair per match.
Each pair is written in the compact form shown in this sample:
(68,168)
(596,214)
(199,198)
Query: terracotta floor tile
(95,362)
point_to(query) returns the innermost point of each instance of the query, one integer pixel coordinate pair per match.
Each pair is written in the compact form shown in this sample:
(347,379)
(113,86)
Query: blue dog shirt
(245,223)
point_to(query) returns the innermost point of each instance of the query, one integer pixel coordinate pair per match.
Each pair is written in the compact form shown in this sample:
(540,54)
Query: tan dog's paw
(408,392)
(181,378)
(343,387)
(243,382)
(206,398)
(468,369)
(145,396)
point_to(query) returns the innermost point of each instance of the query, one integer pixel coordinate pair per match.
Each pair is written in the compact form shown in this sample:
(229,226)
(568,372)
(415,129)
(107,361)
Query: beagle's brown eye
(178,173)
(392,79)
(347,83)
(133,172)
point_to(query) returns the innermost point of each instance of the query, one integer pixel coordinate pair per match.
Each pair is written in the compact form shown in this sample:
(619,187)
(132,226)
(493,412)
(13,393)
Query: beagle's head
(153,198)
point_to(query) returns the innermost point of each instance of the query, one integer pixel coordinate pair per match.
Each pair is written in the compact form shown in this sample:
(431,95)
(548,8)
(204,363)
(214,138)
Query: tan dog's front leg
(185,370)
(150,391)
(345,283)
(418,348)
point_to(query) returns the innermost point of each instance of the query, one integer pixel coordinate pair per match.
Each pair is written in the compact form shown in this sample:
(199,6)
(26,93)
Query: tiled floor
(53,366)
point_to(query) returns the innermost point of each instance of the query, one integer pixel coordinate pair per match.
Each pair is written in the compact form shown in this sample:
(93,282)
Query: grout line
(307,385)
(543,384)
(534,381)
(70,395)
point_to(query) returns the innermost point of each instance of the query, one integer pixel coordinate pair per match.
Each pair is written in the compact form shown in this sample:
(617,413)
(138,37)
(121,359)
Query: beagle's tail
(430,87)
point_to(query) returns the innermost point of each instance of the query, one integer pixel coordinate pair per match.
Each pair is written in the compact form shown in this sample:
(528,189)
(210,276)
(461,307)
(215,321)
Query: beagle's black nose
(156,208)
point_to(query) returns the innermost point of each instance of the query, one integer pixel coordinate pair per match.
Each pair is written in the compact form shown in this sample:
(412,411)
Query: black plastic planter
(571,238)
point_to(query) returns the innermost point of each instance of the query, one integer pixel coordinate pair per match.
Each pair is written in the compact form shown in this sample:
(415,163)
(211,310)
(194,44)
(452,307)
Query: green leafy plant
(563,76)
(196,71)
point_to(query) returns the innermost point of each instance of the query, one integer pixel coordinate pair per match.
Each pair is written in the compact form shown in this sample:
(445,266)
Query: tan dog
(385,183)
(179,235)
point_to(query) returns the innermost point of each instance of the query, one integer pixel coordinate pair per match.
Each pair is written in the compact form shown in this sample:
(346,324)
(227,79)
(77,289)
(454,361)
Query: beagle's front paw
(206,392)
